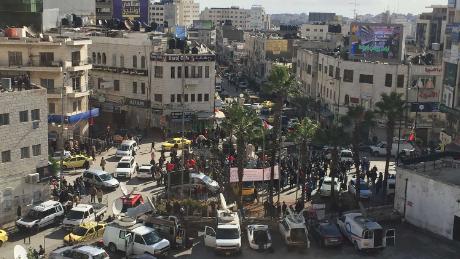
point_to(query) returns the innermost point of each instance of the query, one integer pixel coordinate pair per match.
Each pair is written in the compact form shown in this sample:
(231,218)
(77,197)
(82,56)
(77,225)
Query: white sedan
(326,189)
(259,237)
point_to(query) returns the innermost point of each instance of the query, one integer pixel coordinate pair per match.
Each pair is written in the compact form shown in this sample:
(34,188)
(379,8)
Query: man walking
(99,195)
(152,148)
(93,193)
(103,164)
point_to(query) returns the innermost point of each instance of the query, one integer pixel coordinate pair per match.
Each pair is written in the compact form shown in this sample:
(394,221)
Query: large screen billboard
(376,42)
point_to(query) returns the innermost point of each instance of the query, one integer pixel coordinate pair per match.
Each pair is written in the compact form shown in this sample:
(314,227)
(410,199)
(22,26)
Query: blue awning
(74,118)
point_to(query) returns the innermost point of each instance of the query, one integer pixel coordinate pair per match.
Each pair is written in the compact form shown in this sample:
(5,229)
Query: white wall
(80,7)
(430,204)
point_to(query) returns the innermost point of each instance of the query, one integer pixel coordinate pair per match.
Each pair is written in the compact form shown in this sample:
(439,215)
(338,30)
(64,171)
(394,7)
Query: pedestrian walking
(102,164)
(152,148)
(92,193)
(100,195)
(19,212)
(284,208)
(86,164)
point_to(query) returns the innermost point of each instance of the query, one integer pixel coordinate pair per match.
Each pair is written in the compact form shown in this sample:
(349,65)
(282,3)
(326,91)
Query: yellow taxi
(181,143)
(3,237)
(85,232)
(76,161)
(268,104)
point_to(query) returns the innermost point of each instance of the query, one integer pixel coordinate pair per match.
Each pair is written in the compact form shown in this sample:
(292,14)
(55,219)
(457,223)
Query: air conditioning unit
(33,178)
(6,84)
(35,125)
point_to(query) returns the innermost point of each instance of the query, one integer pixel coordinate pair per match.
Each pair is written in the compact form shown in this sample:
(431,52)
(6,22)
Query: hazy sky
(343,7)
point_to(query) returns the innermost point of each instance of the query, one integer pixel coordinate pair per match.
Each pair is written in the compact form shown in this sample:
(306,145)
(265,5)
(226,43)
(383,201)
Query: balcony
(77,93)
(78,65)
(35,66)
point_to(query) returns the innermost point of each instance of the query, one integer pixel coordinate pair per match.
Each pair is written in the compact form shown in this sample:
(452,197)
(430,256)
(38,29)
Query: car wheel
(112,248)
(1,243)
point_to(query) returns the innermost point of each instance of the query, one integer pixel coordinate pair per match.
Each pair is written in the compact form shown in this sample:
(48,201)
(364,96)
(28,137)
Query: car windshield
(144,170)
(124,148)
(123,165)
(298,235)
(151,238)
(33,214)
(346,154)
(260,236)
(79,231)
(73,214)
(248,184)
(102,255)
(206,179)
(105,177)
(227,233)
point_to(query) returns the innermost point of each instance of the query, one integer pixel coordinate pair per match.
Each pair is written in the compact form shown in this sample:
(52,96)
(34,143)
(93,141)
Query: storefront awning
(74,118)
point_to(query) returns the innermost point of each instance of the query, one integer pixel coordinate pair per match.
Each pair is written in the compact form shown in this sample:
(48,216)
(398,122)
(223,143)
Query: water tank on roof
(11,33)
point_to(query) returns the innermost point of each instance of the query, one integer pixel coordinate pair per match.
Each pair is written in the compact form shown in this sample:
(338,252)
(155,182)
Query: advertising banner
(376,42)
(253,175)
(425,107)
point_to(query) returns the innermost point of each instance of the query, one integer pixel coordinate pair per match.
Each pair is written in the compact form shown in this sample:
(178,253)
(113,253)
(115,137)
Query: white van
(127,148)
(127,236)
(293,230)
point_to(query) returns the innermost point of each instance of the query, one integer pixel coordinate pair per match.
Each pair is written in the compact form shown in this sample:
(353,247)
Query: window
(179,98)
(142,88)
(346,101)
(158,72)
(116,85)
(337,73)
(200,72)
(99,58)
(185,97)
(186,72)
(75,106)
(23,116)
(173,72)
(348,75)
(14,58)
(400,81)
(134,61)
(36,150)
(200,97)
(320,67)
(114,60)
(76,83)
(143,62)
(52,108)
(35,114)
(122,61)
(192,98)
(104,59)
(158,98)
(206,71)
(331,70)
(46,58)
(193,72)
(325,69)
(4,119)
(134,87)
(367,79)
(79,105)
(6,156)
(309,69)
(179,72)
(138,239)
(388,80)
(206,97)
(25,152)
(173,97)
(94,58)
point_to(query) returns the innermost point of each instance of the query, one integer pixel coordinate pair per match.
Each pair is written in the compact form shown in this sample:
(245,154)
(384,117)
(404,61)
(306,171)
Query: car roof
(90,249)
(146,166)
(82,207)
(45,205)
(91,224)
(126,159)
(128,142)
(142,230)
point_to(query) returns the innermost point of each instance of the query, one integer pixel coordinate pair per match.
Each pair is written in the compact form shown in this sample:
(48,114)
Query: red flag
(266,125)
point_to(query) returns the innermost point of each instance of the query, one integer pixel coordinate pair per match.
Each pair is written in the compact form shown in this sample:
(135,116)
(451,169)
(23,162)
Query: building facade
(59,64)
(430,27)
(174,12)
(314,31)
(246,19)
(24,148)
(321,17)
(104,9)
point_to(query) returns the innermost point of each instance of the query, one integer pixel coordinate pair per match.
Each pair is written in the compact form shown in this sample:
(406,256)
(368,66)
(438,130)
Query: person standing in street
(103,164)
(152,148)
(284,208)
(92,193)
(100,195)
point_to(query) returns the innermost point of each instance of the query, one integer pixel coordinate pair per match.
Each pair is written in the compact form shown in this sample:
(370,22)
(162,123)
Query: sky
(341,7)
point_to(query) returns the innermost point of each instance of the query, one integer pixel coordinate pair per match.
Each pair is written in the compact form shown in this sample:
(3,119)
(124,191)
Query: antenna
(117,206)
(223,203)
(19,252)
(355,9)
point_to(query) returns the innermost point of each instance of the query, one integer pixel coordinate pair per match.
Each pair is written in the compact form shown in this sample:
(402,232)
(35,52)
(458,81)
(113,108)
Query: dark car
(325,233)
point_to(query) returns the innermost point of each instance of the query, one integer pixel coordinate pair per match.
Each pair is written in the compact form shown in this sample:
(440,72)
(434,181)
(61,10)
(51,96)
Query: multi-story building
(430,27)
(24,148)
(339,84)
(174,12)
(321,17)
(312,31)
(203,32)
(246,19)
(121,81)
(60,64)
(104,9)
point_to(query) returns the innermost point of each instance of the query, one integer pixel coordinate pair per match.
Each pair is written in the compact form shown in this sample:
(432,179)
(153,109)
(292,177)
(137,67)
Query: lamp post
(61,164)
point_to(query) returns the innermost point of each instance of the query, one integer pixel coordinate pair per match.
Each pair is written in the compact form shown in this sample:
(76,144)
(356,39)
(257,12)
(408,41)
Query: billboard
(130,9)
(181,32)
(375,41)
(450,74)
(424,107)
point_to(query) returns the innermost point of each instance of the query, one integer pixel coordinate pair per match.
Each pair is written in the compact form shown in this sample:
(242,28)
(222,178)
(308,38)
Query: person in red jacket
(169,167)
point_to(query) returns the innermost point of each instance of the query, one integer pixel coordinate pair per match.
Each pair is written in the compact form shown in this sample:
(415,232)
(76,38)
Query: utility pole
(62,132)
(183,122)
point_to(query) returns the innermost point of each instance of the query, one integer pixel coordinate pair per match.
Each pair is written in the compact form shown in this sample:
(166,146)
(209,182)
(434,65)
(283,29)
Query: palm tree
(242,123)
(304,133)
(335,136)
(360,120)
(392,108)
(282,84)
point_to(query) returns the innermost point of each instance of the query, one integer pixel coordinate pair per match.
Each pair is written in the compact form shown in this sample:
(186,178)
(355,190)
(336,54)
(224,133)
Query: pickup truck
(381,148)
(83,213)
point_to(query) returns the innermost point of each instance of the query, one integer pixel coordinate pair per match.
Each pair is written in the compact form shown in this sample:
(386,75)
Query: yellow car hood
(72,238)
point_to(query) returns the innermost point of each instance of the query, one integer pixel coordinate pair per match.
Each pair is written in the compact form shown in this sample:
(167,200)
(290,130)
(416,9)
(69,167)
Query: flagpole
(263,157)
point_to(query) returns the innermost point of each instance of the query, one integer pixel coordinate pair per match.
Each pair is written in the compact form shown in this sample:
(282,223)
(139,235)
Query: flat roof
(443,172)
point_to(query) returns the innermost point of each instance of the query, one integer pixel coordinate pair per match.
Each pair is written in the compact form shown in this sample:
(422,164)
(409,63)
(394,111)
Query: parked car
(127,148)
(3,237)
(180,142)
(381,148)
(259,237)
(326,187)
(146,171)
(119,135)
(100,179)
(126,167)
(85,232)
(42,215)
(346,155)
(364,191)
(57,155)
(76,161)
(79,251)
(83,213)
(325,233)
(293,230)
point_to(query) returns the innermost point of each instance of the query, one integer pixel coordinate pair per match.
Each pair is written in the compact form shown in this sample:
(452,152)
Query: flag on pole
(412,133)
(266,125)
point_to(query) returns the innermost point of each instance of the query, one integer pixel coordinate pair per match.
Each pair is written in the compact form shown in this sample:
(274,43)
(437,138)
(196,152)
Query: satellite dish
(128,25)
(144,208)
(124,190)
(117,206)
(223,203)
(20,252)
(126,222)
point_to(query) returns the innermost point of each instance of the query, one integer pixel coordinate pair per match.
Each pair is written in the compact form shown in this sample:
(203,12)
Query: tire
(1,243)
(113,248)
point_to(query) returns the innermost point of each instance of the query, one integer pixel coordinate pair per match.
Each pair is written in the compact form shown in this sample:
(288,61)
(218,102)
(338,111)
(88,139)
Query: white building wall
(429,204)
(314,31)
(240,17)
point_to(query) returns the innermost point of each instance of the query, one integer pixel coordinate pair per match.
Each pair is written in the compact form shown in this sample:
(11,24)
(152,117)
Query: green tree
(391,107)
(303,134)
(360,121)
(281,85)
(244,124)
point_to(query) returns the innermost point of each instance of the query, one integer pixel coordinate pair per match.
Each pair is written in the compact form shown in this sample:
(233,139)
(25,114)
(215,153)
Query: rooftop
(18,84)
(445,170)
